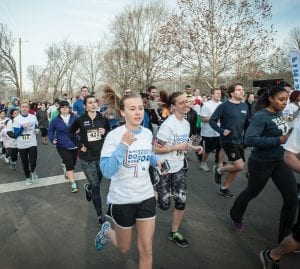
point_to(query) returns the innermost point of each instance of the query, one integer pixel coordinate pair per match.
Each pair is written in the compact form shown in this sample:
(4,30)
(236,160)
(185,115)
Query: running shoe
(74,187)
(101,238)
(178,239)
(204,167)
(6,160)
(226,193)
(13,165)
(34,177)
(65,170)
(88,192)
(101,220)
(266,261)
(239,226)
(28,181)
(217,175)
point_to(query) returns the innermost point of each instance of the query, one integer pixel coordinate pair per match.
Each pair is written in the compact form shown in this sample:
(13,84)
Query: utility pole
(20,68)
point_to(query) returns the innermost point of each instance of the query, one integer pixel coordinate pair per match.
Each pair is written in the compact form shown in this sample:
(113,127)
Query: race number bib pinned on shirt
(93,135)
(25,136)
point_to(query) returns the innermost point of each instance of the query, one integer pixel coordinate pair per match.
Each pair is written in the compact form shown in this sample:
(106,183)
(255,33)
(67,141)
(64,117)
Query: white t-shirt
(293,142)
(12,141)
(131,183)
(2,122)
(51,109)
(65,119)
(174,131)
(207,110)
(28,137)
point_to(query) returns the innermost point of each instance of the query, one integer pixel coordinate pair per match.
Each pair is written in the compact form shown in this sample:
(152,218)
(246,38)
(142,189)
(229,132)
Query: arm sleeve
(18,131)
(110,165)
(254,138)
(72,132)
(51,131)
(153,159)
(213,121)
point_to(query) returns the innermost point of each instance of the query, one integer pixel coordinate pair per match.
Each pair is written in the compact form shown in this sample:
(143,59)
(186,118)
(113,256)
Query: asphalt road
(49,227)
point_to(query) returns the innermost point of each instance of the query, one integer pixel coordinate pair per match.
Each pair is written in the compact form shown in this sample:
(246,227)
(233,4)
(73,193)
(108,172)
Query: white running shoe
(6,160)
(29,181)
(204,167)
(34,177)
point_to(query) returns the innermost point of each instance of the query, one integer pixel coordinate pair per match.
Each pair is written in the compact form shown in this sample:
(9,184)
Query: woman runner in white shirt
(125,159)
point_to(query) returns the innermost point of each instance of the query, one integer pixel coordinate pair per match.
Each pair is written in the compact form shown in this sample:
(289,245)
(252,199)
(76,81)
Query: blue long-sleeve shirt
(263,134)
(233,117)
(110,165)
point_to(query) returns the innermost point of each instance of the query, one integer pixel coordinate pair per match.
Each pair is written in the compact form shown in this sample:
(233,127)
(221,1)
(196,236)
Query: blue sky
(42,22)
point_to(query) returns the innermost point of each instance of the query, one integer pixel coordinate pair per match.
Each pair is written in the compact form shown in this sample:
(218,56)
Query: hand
(101,131)
(128,138)
(26,125)
(54,142)
(226,132)
(198,150)
(182,146)
(83,149)
(283,139)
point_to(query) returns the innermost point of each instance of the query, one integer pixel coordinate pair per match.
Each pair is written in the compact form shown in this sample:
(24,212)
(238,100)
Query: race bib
(93,135)
(25,136)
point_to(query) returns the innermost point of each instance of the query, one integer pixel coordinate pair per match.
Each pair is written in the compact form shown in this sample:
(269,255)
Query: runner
(92,128)
(125,159)
(210,138)
(233,116)
(171,143)
(25,127)
(3,120)
(267,132)
(13,146)
(42,117)
(58,136)
(270,258)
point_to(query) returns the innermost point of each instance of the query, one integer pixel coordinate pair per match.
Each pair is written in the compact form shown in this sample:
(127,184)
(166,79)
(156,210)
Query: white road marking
(42,182)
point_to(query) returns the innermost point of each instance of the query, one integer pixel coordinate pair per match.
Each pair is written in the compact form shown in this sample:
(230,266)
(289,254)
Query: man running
(233,116)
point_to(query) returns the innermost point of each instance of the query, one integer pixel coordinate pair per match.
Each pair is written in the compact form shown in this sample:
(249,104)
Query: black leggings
(28,156)
(68,156)
(13,153)
(283,178)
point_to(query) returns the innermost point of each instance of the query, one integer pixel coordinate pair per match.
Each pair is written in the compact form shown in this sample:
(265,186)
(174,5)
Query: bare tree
(135,57)
(62,61)
(8,68)
(91,65)
(213,37)
(293,40)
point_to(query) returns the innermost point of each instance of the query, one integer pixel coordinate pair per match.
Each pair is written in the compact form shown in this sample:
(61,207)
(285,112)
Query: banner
(295,60)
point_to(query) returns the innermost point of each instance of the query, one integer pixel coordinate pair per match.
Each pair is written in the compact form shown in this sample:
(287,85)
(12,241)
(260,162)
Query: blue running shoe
(101,238)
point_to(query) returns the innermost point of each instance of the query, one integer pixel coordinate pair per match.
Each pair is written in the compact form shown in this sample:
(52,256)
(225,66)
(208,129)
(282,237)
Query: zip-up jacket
(89,135)
(59,130)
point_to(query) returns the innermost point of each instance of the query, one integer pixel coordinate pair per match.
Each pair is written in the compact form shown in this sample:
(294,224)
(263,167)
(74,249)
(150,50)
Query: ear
(122,113)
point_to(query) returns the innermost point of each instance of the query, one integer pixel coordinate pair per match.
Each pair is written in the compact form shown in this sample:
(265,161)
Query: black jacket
(89,136)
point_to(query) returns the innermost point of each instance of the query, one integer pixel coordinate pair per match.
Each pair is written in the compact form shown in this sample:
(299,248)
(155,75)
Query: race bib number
(25,136)
(93,135)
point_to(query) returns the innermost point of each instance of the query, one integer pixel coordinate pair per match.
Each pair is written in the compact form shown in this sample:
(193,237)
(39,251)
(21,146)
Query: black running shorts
(125,216)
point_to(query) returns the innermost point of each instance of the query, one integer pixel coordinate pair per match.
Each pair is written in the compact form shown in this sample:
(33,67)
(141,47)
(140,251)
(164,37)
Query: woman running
(25,128)
(58,136)
(125,159)
(267,132)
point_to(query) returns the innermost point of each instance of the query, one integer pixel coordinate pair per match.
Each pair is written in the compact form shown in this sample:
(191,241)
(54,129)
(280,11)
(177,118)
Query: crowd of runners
(140,142)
